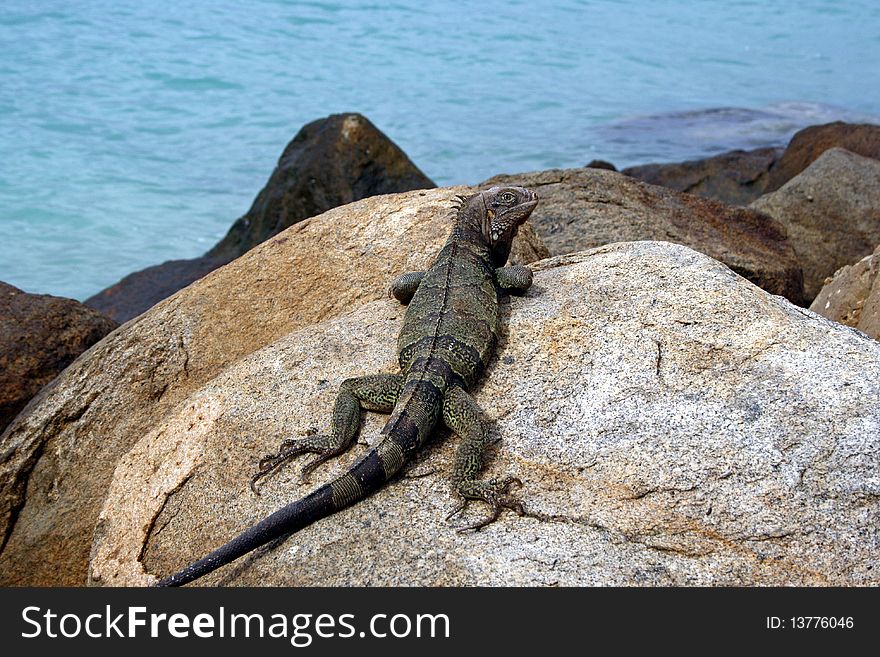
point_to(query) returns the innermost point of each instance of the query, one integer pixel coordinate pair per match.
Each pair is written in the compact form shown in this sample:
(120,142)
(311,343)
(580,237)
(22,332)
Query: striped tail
(418,407)
(364,477)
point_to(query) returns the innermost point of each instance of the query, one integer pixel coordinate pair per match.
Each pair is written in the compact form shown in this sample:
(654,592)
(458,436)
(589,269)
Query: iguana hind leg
(377,392)
(404,286)
(462,415)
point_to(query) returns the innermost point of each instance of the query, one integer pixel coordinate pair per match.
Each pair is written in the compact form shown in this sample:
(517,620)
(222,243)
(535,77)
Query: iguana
(447,338)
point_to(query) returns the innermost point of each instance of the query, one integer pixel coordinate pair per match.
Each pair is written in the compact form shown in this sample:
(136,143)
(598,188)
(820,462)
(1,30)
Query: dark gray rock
(330,162)
(601,164)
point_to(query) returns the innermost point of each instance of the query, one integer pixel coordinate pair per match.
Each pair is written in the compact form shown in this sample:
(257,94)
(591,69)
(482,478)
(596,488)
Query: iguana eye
(507,197)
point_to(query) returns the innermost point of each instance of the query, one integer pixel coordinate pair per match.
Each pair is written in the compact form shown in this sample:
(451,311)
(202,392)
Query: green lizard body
(447,338)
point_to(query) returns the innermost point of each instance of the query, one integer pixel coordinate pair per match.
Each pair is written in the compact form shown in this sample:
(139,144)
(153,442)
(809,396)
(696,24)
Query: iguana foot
(323,446)
(375,392)
(495,493)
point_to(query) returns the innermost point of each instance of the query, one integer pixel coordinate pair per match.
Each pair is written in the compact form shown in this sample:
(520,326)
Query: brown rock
(61,453)
(831,212)
(40,335)
(584,208)
(737,177)
(852,296)
(330,162)
(808,144)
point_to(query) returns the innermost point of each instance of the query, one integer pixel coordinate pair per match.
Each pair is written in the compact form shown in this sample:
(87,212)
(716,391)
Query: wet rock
(601,164)
(330,162)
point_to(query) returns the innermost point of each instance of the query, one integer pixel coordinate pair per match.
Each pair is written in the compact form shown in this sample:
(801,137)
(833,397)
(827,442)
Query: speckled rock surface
(852,296)
(831,212)
(58,456)
(672,423)
(584,208)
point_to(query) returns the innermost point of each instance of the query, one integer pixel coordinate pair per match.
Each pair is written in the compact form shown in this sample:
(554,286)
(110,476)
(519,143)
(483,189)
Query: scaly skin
(446,341)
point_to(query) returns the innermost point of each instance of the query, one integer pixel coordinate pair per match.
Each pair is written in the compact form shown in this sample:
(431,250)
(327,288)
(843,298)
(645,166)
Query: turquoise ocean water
(135,132)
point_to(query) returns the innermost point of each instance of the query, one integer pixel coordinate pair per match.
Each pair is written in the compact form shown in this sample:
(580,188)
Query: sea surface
(136,132)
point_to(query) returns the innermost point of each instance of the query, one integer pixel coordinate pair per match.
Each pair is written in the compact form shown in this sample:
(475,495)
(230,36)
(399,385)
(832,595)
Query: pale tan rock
(852,296)
(831,212)
(672,423)
(59,455)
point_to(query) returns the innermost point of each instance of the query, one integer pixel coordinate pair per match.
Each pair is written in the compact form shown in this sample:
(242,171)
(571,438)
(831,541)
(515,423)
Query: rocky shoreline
(664,373)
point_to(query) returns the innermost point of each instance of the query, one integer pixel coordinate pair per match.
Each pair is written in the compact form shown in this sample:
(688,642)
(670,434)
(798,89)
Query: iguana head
(506,208)
(497,213)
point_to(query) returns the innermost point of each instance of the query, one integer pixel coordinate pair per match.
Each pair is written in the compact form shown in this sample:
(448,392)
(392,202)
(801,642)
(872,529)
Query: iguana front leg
(462,415)
(515,279)
(377,392)
(404,286)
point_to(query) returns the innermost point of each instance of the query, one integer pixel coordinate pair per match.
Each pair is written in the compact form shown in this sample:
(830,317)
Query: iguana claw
(291,448)
(494,493)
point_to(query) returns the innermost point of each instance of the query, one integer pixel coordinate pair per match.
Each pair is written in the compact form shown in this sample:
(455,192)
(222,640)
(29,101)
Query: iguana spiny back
(447,338)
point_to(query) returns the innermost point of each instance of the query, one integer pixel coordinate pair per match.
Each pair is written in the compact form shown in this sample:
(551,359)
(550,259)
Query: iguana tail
(363,478)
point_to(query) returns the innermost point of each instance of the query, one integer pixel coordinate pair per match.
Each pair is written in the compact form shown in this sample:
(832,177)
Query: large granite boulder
(808,144)
(736,177)
(59,456)
(584,208)
(831,212)
(852,296)
(40,335)
(330,162)
(672,423)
